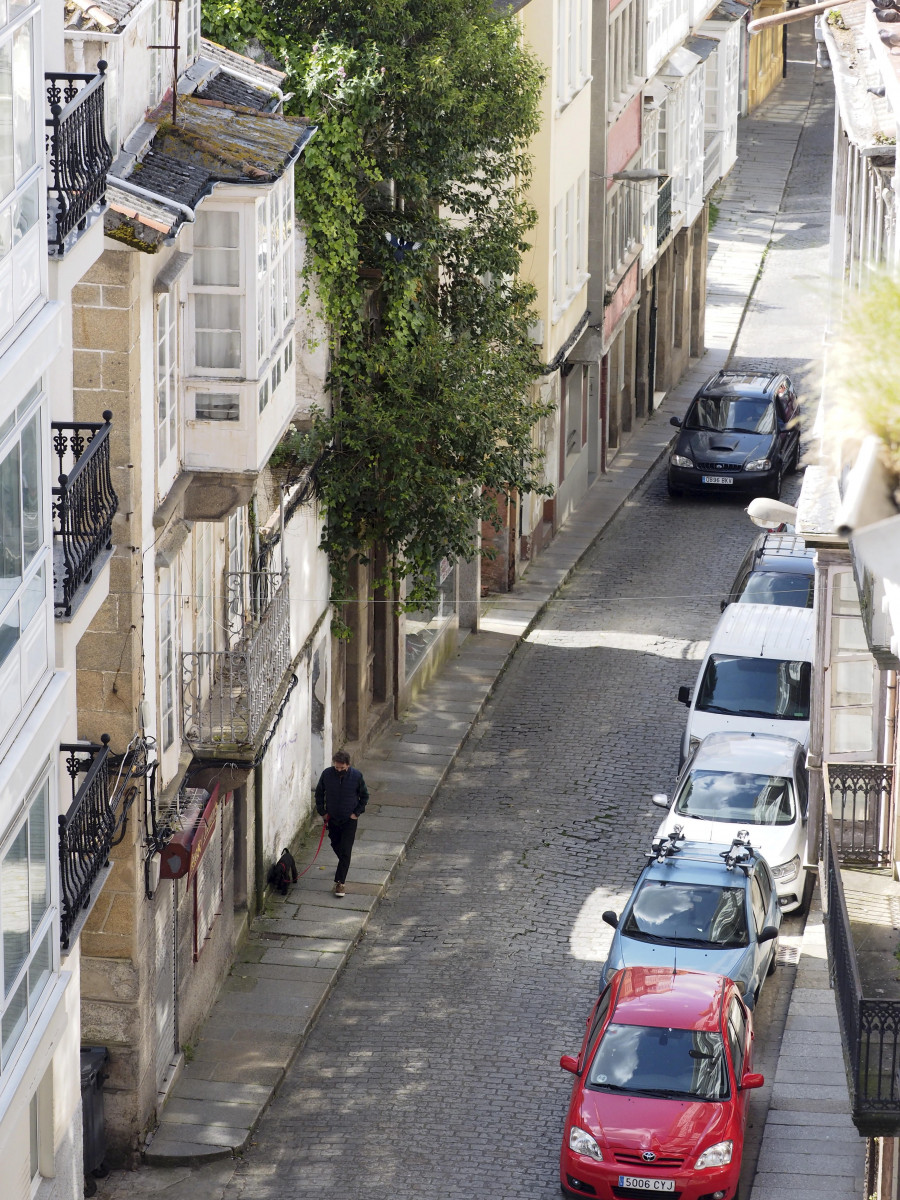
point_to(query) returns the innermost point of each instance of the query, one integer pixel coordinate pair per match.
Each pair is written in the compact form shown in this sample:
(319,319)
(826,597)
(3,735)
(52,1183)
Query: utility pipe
(127,186)
(785,18)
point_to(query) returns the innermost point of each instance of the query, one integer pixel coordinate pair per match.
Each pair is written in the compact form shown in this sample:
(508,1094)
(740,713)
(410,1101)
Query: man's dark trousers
(341,834)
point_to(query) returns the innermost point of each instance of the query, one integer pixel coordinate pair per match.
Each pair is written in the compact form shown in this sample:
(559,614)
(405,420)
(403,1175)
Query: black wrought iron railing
(862,811)
(104,787)
(664,211)
(84,505)
(870,1028)
(78,154)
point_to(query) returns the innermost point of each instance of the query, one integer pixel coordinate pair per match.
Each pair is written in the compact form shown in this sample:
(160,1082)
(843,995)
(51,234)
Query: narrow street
(433,1070)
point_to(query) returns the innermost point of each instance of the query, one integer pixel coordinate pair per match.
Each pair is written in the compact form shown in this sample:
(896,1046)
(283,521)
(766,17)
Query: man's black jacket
(341,794)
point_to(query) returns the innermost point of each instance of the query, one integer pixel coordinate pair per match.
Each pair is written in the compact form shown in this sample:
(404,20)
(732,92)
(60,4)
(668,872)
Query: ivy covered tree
(413,197)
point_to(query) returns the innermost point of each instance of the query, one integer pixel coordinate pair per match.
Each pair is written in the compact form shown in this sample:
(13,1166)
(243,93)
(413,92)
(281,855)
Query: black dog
(283,873)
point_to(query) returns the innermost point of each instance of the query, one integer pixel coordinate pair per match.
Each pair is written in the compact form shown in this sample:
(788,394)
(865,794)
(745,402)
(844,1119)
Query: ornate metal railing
(861,796)
(226,694)
(870,1029)
(84,505)
(78,154)
(95,821)
(664,211)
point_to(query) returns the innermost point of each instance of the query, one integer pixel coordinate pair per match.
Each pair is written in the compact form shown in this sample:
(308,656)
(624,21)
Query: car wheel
(795,460)
(806,898)
(775,491)
(773,961)
(674,493)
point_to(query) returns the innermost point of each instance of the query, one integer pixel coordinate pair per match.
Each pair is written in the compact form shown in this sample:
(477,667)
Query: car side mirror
(684,695)
(676,421)
(751,1080)
(768,933)
(611,919)
(660,799)
(569,1063)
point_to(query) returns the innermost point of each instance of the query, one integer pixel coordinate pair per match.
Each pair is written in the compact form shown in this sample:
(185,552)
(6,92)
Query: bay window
(218,300)
(274,264)
(166,378)
(168,633)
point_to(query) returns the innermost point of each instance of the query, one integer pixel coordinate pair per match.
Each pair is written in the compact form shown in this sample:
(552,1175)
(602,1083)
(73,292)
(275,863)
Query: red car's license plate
(641,1184)
(713,479)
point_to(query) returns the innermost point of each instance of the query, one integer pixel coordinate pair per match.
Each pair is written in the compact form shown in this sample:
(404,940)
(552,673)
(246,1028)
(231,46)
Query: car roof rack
(739,852)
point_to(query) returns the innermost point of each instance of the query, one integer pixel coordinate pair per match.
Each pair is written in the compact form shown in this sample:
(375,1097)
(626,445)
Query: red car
(661,1090)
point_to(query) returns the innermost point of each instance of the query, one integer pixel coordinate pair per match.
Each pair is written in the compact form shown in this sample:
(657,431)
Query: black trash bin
(94,1061)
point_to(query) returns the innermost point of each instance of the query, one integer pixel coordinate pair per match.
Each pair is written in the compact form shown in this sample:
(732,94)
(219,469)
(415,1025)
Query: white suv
(753,782)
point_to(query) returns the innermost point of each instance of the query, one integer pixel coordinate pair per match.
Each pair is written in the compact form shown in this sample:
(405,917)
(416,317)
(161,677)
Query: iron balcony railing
(664,211)
(84,505)
(862,809)
(870,1029)
(95,822)
(78,154)
(226,694)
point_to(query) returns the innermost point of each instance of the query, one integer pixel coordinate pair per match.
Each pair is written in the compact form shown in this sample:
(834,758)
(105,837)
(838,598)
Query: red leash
(318,848)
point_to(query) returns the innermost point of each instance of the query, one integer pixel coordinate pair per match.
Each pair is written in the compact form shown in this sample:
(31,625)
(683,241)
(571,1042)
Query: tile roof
(232,91)
(105,16)
(263,76)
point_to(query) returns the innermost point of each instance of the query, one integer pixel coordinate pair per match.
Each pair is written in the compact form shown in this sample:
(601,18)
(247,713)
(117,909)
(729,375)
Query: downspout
(127,186)
(258,864)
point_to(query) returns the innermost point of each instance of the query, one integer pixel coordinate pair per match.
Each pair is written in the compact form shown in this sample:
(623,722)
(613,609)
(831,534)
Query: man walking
(341,798)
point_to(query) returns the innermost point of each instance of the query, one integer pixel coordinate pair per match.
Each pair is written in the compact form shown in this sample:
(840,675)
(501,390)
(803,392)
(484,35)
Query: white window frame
(274,268)
(204,587)
(236,292)
(42,933)
(167,391)
(169,659)
(191,41)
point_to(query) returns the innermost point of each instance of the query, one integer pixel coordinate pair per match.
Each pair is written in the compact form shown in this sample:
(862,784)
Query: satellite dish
(772,514)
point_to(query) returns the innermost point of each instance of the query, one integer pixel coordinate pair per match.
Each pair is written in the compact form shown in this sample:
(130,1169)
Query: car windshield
(736,414)
(755,687)
(646,1060)
(693,914)
(736,796)
(778,587)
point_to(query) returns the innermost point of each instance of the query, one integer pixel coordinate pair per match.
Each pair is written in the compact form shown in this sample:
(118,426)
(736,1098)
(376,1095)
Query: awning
(182,855)
(730,10)
(655,92)
(679,64)
(703,47)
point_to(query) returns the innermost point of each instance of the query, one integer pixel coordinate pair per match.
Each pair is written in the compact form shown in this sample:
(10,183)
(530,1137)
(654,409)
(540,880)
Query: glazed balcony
(78,155)
(84,504)
(104,787)
(228,694)
(860,896)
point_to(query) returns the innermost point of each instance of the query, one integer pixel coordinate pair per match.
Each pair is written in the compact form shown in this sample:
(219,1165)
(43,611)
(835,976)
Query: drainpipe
(127,186)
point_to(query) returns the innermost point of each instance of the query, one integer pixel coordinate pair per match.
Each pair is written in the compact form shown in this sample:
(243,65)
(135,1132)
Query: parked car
(700,906)
(741,434)
(777,569)
(751,781)
(661,1092)
(755,676)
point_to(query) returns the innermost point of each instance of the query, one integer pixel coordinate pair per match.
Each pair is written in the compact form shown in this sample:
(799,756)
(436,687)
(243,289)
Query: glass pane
(38,859)
(32,532)
(851,731)
(847,635)
(10,526)
(217,229)
(9,632)
(34,595)
(15,1018)
(852,682)
(7,173)
(25,211)
(27,272)
(844,596)
(39,970)
(218,312)
(23,100)
(6,230)
(16,926)
(217,267)
(217,406)
(219,350)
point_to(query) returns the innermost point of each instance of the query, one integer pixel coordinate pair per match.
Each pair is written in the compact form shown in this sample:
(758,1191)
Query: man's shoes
(339,889)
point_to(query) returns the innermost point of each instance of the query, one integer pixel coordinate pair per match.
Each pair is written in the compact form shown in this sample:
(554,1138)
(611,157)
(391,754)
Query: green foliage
(425,110)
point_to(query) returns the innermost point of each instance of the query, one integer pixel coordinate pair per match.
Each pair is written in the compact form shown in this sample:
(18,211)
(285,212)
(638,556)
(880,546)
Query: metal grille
(863,812)
(78,154)
(226,694)
(84,505)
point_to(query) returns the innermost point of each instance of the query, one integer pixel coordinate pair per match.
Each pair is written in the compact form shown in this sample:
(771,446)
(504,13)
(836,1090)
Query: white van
(755,677)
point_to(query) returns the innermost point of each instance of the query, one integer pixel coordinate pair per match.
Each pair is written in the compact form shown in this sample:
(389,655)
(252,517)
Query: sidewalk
(297,950)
